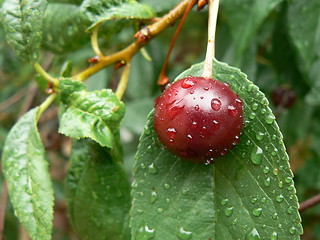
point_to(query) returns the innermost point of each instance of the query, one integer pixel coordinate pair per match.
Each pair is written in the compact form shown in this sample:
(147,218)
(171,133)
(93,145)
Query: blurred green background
(273,60)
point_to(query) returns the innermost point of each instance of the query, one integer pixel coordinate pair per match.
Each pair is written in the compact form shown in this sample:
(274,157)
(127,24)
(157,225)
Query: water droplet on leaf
(228,211)
(224,201)
(154,197)
(146,233)
(152,169)
(270,119)
(184,235)
(280,198)
(274,236)
(254,234)
(259,136)
(267,182)
(256,155)
(257,212)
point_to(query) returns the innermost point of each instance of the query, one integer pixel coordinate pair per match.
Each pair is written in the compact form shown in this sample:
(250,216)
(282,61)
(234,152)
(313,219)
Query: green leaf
(66,69)
(92,8)
(77,2)
(304,28)
(247,194)
(96,115)
(244,18)
(65,27)
(161,6)
(67,87)
(29,184)
(283,54)
(132,11)
(23,23)
(99,183)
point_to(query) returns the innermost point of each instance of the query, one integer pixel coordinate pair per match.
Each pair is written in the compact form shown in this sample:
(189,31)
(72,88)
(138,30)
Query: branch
(143,37)
(309,203)
(13,99)
(3,205)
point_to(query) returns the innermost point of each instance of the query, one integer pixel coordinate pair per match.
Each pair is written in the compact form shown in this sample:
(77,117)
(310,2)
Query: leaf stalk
(46,75)
(123,81)
(45,105)
(94,41)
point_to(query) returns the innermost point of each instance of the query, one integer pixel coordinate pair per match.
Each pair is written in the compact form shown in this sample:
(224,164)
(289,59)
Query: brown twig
(23,234)
(163,78)
(13,99)
(309,203)
(143,37)
(3,205)
(31,92)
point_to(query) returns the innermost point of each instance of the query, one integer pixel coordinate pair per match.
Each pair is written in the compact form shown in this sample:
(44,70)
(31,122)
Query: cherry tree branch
(309,203)
(142,38)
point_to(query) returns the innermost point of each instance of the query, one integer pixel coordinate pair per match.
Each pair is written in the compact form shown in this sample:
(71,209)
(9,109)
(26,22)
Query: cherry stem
(46,75)
(309,203)
(123,81)
(212,23)
(94,41)
(163,79)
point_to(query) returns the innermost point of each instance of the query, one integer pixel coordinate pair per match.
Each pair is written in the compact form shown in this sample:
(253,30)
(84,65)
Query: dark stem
(309,203)
(163,79)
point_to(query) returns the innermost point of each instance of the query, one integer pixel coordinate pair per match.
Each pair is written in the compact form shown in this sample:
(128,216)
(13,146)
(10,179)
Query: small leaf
(96,115)
(66,69)
(161,6)
(76,124)
(23,23)
(68,86)
(64,28)
(248,193)
(29,183)
(244,18)
(77,2)
(124,11)
(97,181)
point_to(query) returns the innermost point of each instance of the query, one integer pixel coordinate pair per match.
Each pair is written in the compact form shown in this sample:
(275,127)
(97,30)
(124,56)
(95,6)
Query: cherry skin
(199,119)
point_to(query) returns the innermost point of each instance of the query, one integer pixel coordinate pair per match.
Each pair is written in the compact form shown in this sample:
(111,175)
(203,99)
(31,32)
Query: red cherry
(199,119)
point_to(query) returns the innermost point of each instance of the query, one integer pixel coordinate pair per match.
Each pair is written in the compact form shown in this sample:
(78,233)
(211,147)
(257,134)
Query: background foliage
(277,44)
